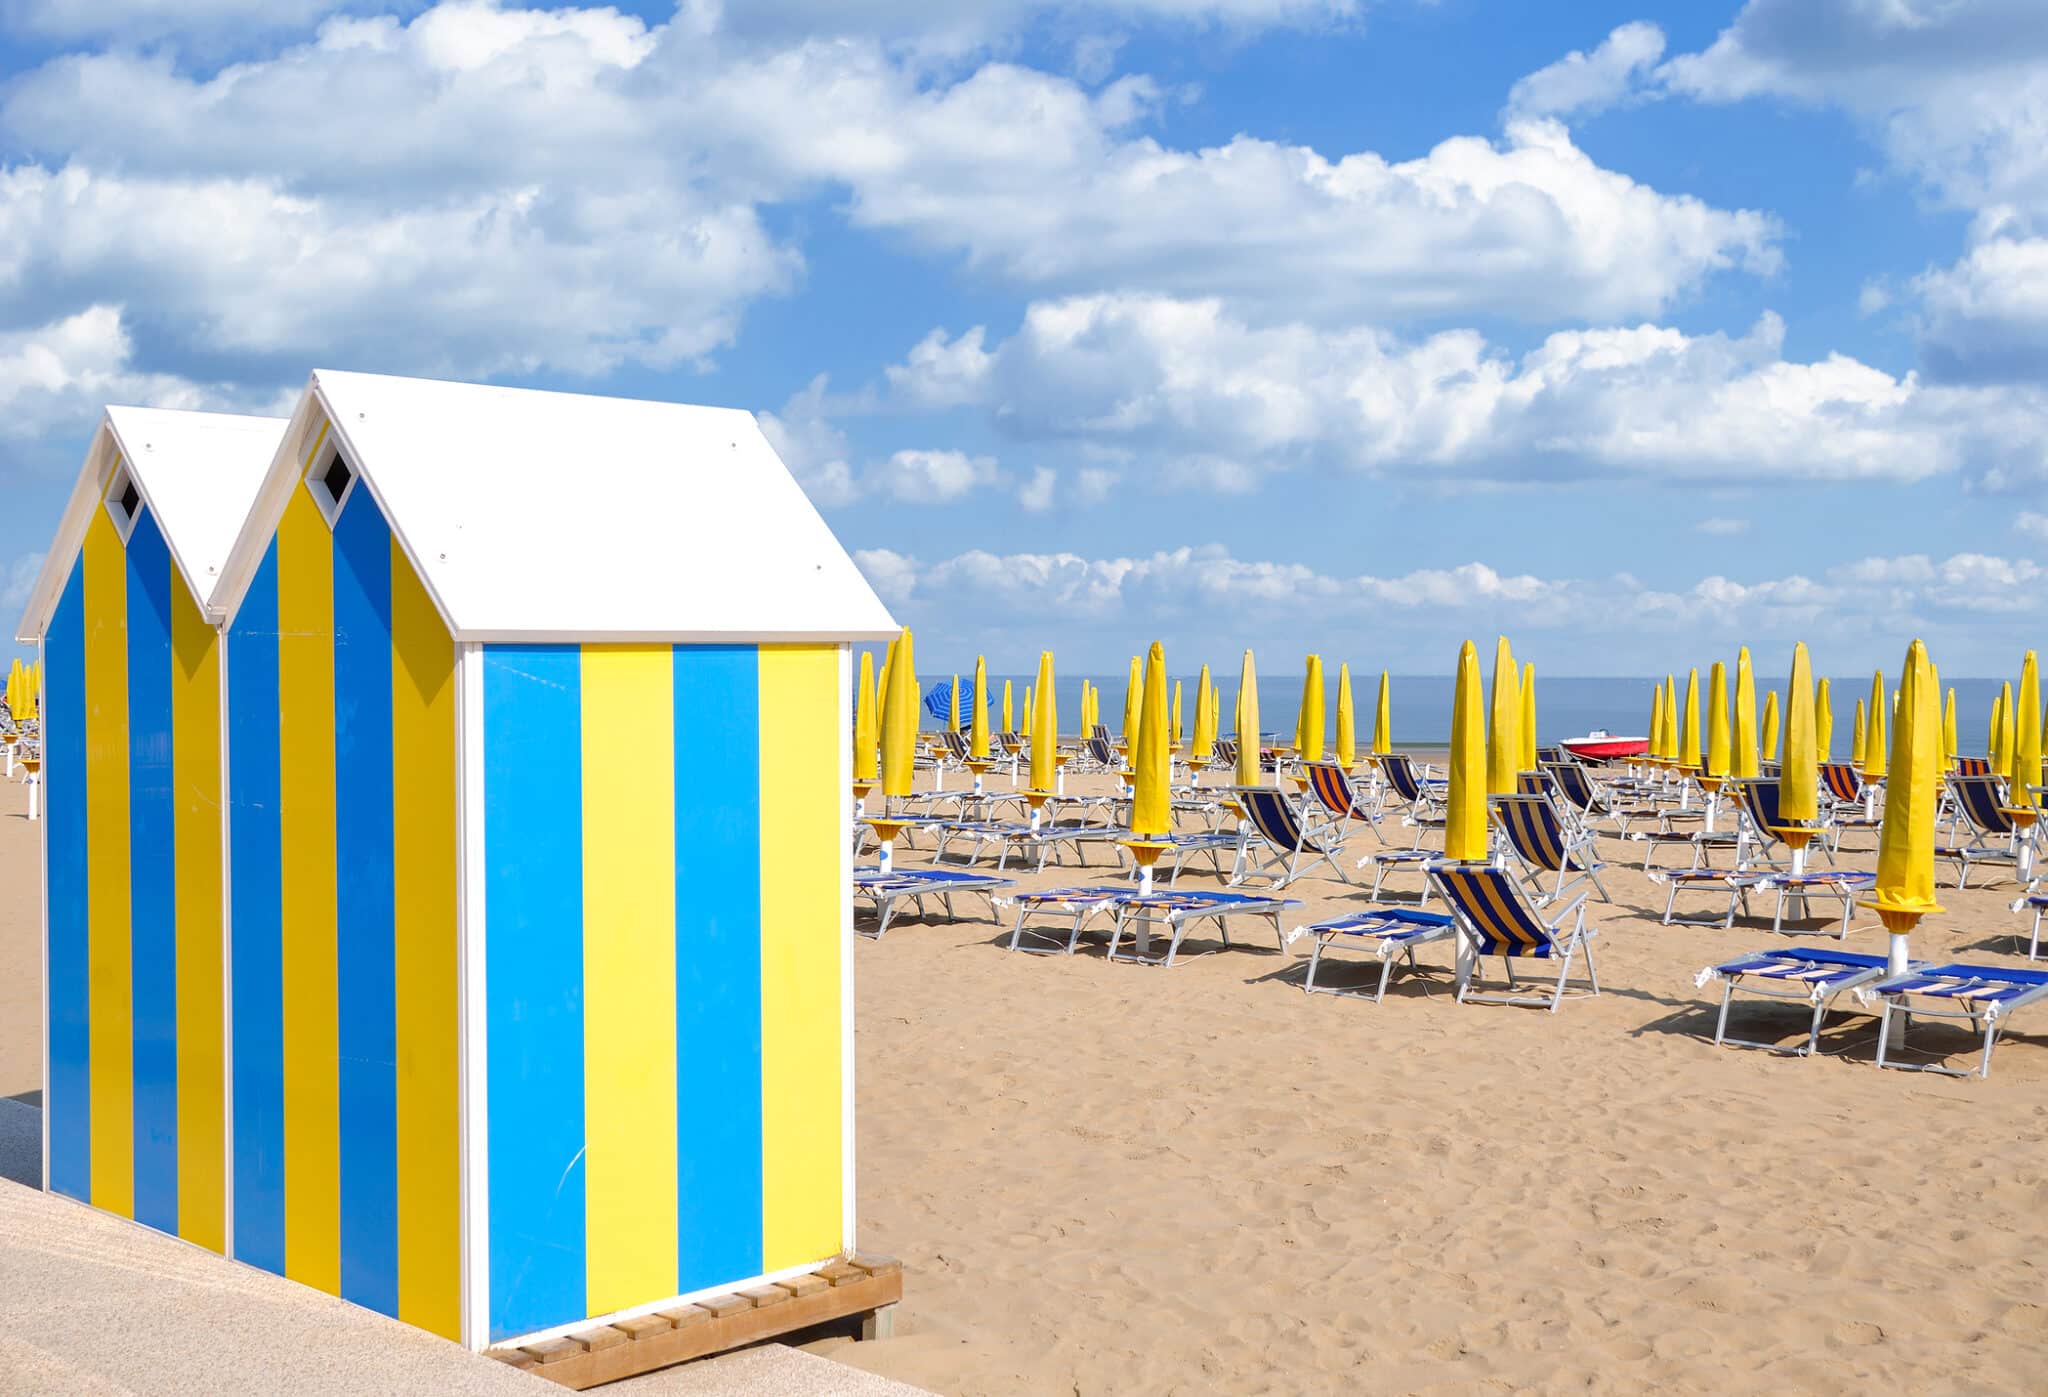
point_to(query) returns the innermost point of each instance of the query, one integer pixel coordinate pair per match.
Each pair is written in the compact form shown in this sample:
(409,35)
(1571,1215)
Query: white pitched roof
(560,516)
(196,471)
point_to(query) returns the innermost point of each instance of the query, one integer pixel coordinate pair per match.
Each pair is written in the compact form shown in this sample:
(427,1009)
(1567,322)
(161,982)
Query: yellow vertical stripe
(629,973)
(423,903)
(195,756)
(802,1215)
(110,979)
(312,1081)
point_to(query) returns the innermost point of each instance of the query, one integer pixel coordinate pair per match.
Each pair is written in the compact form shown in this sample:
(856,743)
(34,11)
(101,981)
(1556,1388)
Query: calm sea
(1565,706)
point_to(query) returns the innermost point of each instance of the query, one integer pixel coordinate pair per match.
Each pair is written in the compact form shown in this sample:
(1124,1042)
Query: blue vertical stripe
(533,972)
(152,864)
(69,1109)
(256,926)
(718,964)
(365,949)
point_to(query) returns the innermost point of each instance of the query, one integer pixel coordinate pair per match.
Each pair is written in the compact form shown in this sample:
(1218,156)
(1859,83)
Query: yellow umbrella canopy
(1313,715)
(1771,726)
(867,733)
(1503,739)
(882,690)
(1657,720)
(1689,726)
(899,720)
(1248,771)
(1151,758)
(1859,735)
(1823,720)
(1383,720)
(1799,778)
(1009,716)
(1133,691)
(1670,718)
(1949,744)
(2026,749)
(31,686)
(1204,736)
(977,732)
(1347,720)
(1465,816)
(1175,731)
(1743,763)
(1905,848)
(1025,731)
(1528,724)
(1873,733)
(1720,741)
(14,687)
(1045,726)
(1215,713)
(2008,730)
(953,707)
(1997,726)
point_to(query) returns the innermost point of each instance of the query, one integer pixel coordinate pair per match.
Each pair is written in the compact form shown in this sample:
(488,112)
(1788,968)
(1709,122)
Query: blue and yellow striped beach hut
(538,788)
(124,612)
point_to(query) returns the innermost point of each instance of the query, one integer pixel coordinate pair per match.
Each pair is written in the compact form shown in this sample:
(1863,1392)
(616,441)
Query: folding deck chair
(1981,801)
(1291,838)
(1817,975)
(1176,909)
(885,890)
(1842,784)
(1496,920)
(1541,843)
(1423,795)
(1986,995)
(1388,932)
(1331,784)
(1575,783)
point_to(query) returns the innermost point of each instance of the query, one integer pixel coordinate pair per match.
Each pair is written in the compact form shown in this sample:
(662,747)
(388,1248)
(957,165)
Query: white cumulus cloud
(1583,83)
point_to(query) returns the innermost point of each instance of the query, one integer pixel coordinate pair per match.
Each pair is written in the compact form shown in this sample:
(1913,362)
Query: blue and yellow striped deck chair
(1496,920)
(1541,843)
(1980,800)
(1223,752)
(1575,783)
(1757,819)
(1291,838)
(1332,785)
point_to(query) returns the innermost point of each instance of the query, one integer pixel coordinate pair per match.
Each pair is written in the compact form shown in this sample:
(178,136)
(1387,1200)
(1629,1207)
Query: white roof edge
(238,569)
(200,588)
(70,536)
(493,637)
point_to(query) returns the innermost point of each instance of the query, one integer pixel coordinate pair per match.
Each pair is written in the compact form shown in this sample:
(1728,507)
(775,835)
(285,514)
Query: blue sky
(1635,331)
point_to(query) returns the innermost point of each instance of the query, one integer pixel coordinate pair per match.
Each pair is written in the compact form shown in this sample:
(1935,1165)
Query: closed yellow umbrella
(1743,761)
(1689,724)
(1905,847)
(1134,690)
(1949,743)
(1720,741)
(1045,727)
(1504,713)
(1991,740)
(1175,731)
(1798,780)
(1656,752)
(899,720)
(1204,737)
(953,708)
(1859,735)
(1873,733)
(977,732)
(1248,770)
(2008,730)
(1215,714)
(867,732)
(1347,721)
(1009,719)
(1823,720)
(1025,731)
(1313,715)
(1383,720)
(1465,815)
(1151,804)
(32,690)
(2027,736)
(1771,726)
(1528,724)
(1670,718)
(882,690)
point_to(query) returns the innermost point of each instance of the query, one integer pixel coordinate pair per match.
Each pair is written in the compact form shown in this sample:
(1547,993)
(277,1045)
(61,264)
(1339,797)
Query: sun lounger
(1177,909)
(1332,786)
(1986,995)
(1592,801)
(1845,883)
(1981,800)
(1496,919)
(1018,836)
(1389,933)
(1733,882)
(1387,861)
(1803,974)
(884,890)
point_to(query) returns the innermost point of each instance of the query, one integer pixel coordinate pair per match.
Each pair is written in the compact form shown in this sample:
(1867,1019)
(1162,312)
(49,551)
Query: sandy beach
(1110,1178)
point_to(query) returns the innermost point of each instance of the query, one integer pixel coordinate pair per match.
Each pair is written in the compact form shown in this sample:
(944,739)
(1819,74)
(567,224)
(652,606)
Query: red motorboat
(1601,746)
